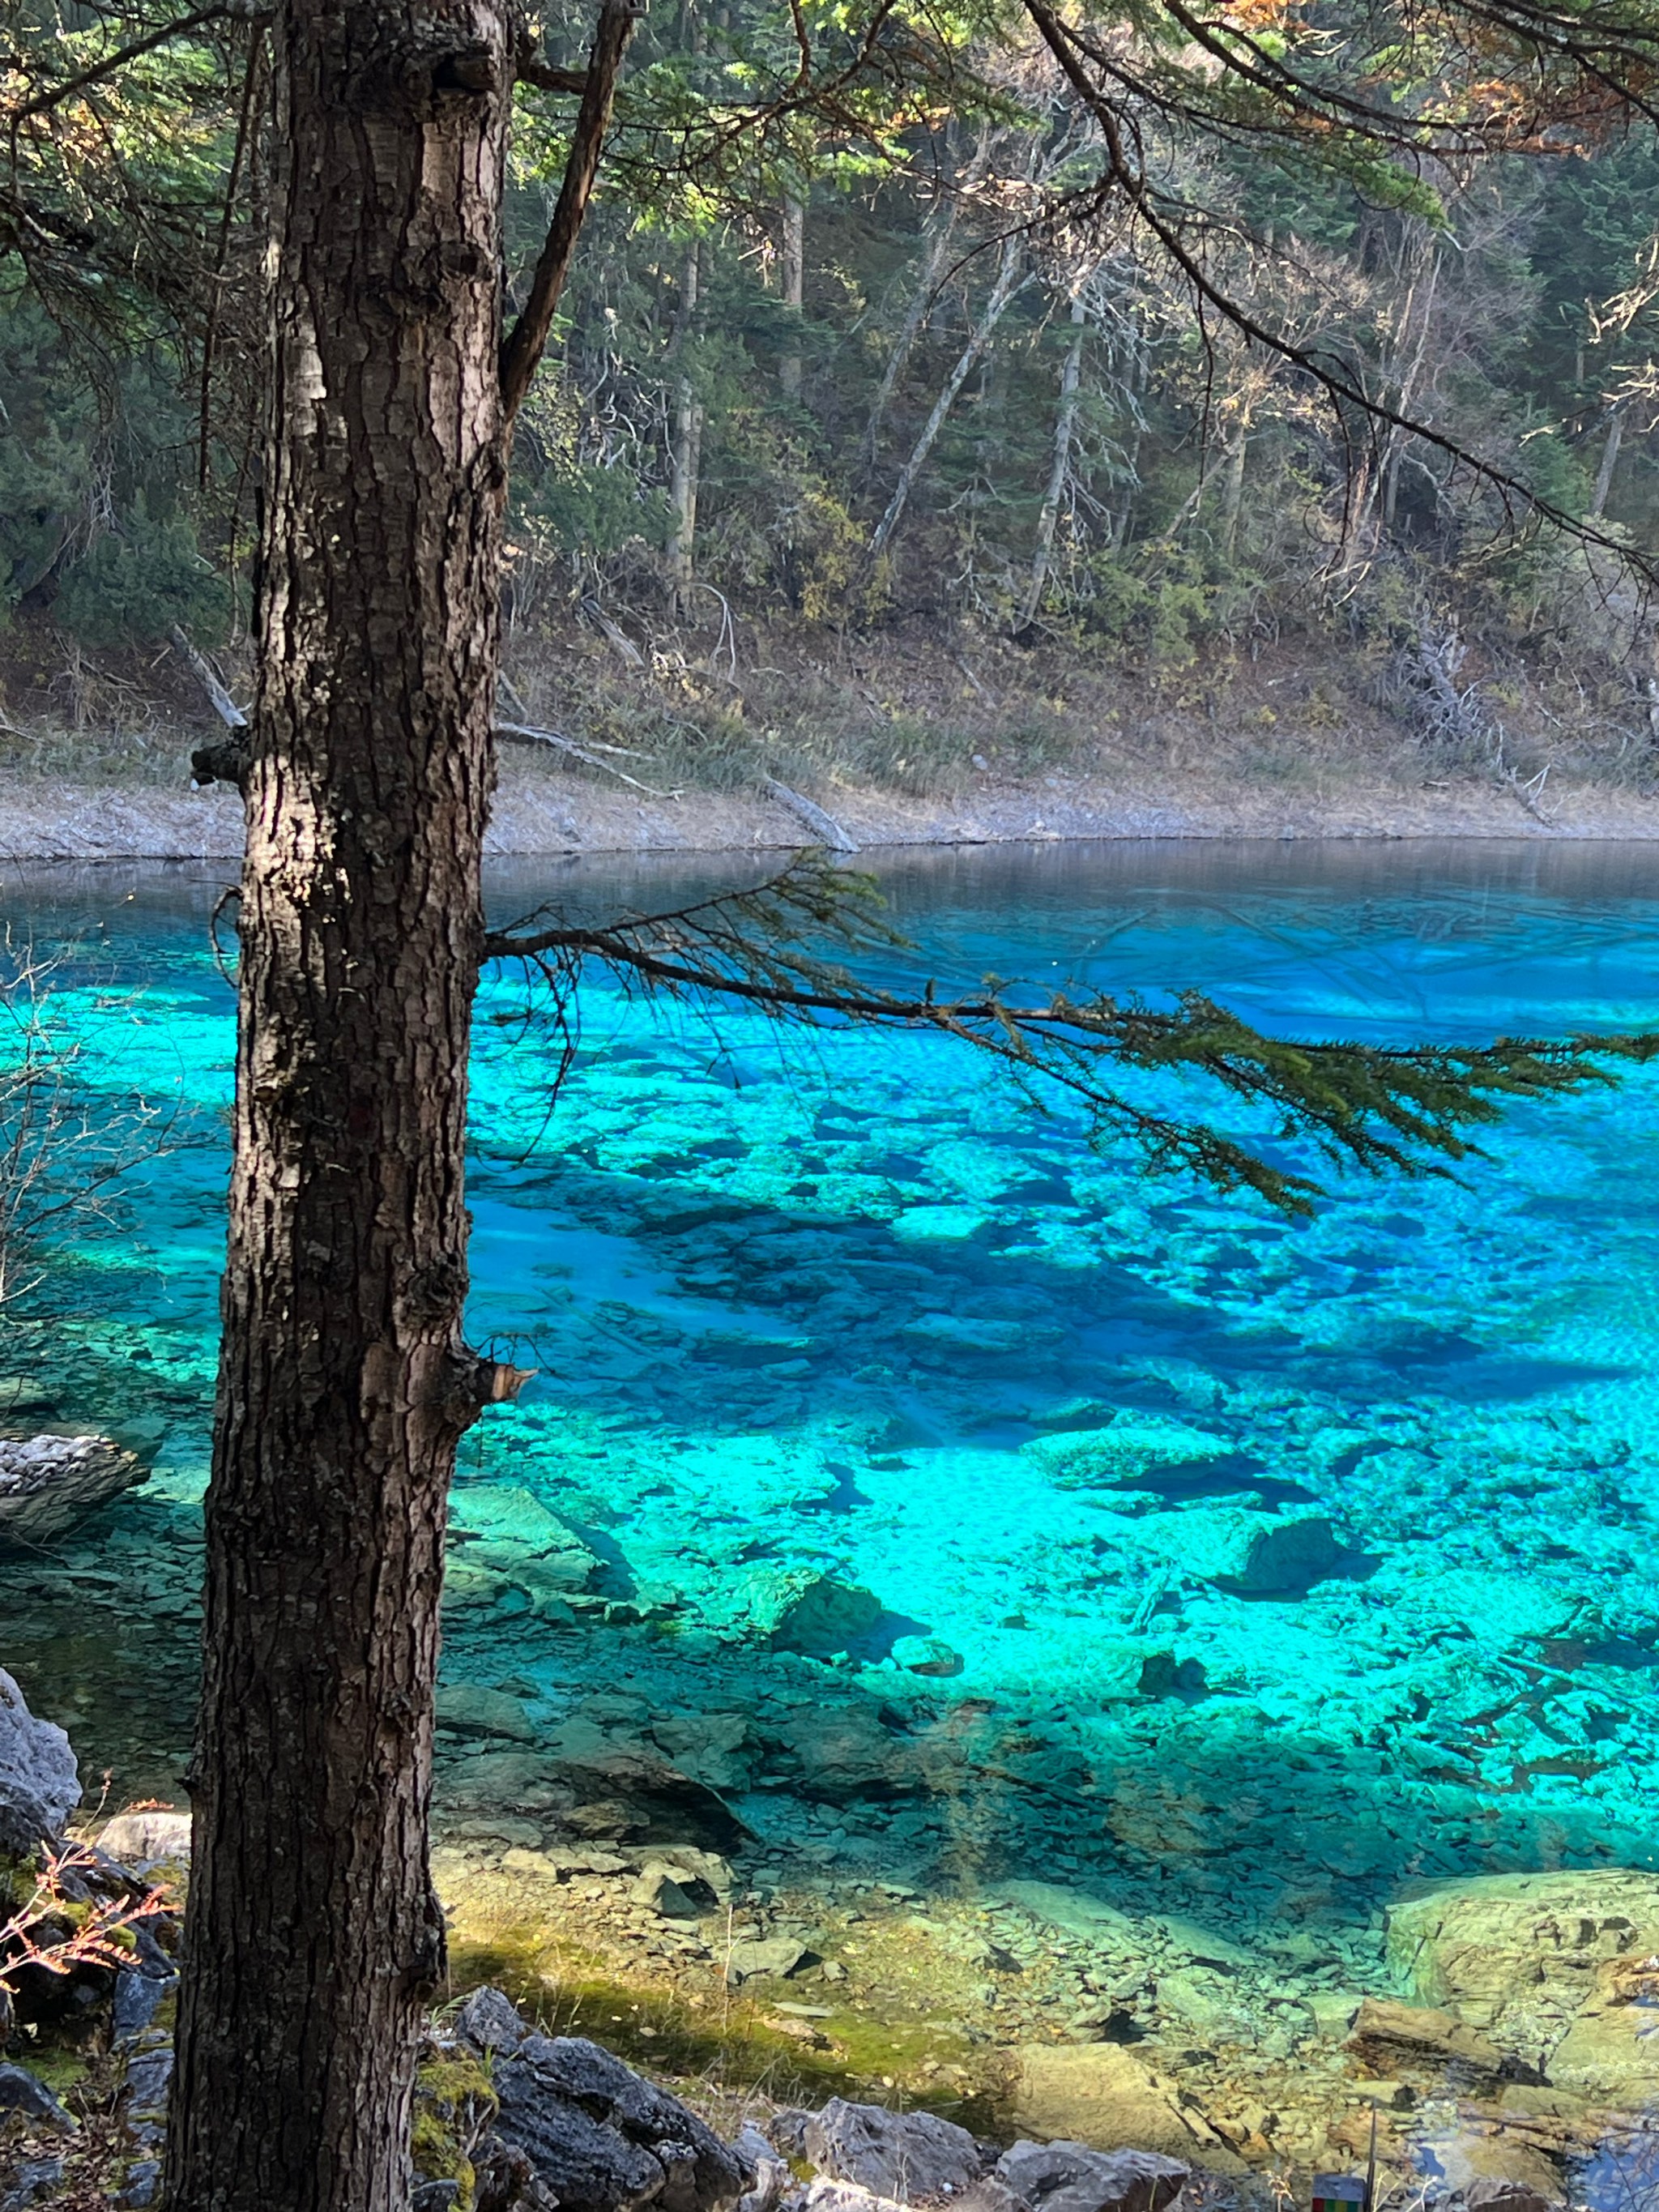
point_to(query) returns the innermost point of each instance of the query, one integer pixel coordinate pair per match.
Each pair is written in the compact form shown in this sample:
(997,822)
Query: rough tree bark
(313,1936)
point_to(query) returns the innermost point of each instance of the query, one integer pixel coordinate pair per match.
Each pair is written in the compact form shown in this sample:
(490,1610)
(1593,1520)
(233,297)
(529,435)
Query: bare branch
(525,344)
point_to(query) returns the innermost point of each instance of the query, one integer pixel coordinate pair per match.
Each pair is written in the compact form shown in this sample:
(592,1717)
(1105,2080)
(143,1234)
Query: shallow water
(810,1305)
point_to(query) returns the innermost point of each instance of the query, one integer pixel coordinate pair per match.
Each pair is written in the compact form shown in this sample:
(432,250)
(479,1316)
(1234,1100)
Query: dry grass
(918,713)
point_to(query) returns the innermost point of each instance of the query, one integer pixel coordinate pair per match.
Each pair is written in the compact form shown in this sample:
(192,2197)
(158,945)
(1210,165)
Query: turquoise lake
(831,1305)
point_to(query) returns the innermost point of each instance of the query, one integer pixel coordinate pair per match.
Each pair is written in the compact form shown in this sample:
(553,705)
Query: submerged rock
(1125,1453)
(39,1784)
(1427,2045)
(1101,2096)
(927,1655)
(48,1484)
(472,1709)
(1522,1952)
(799,1609)
(1254,1553)
(843,1752)
(711,1747)
(911,2157)
(625,1793)
(1608,2052)
(1076,1910)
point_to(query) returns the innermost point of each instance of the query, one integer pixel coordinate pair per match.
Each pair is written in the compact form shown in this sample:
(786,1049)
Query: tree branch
(1336,380)
(525,344)
(67,87)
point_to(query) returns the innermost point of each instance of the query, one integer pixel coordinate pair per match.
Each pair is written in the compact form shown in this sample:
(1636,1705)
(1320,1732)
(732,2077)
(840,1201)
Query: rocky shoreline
(541,809)
(1493,2045)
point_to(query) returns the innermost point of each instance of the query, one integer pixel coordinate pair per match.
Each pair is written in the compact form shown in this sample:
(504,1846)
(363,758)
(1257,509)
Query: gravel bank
(540,810)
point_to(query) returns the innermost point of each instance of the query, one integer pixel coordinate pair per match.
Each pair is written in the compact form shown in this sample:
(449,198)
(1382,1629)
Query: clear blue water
(810,1305)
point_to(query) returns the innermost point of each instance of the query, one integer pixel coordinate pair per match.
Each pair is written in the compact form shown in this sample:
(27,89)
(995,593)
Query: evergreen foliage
(1408,1109)
(988,201)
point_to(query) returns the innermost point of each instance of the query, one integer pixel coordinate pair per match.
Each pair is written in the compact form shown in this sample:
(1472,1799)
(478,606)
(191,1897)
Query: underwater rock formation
(49,1484)
(1552,1962)
(1102,2095)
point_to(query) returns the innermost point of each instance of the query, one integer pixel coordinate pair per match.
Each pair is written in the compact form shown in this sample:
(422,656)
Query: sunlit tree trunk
(793,269)
(1232,495)
(1604,474)
(685,448)
(314,1936)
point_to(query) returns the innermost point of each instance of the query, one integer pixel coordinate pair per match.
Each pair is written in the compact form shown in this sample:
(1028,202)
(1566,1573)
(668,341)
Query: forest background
(866,449)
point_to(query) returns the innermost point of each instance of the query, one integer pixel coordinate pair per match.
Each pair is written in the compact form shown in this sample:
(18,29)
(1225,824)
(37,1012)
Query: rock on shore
(39,1786)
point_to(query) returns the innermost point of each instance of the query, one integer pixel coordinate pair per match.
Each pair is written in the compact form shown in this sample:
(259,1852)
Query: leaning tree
(313,1937)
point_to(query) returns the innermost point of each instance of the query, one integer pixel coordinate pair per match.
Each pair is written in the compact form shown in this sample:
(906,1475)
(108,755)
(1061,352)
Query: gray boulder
(145,1838)
(489,2021)
(49,1483)
(39,1785)
(21,2093)
(911,2157)
(603,2140)
(36,2181)
(1067,2177)
(774,1955)
(772,2179)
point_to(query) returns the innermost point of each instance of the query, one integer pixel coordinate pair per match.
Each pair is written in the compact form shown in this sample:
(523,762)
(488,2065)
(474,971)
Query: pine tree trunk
(312,1934)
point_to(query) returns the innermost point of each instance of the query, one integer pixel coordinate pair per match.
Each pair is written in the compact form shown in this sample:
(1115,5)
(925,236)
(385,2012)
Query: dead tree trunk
(1002,291)
(941,224)
(1615,438)
(1233,501)
(1071,381)
(685,453)
(793,260)
(313,1936)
